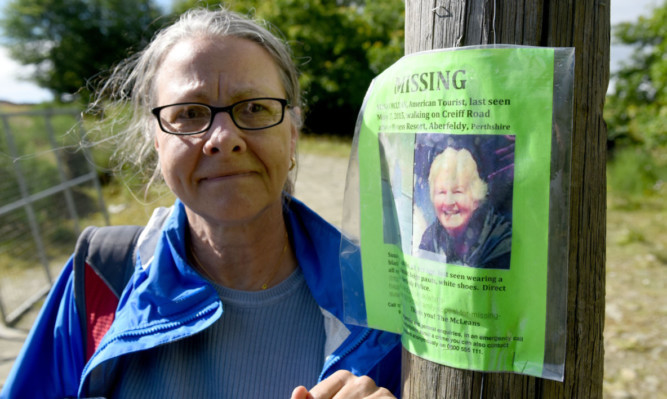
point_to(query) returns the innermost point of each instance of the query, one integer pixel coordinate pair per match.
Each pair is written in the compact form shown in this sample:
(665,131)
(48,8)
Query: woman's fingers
(343,384)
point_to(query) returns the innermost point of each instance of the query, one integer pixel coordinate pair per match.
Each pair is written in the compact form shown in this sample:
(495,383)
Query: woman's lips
(450,212)
(226,176)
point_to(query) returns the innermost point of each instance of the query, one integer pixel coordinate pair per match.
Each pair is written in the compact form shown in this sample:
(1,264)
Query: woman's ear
(295,130)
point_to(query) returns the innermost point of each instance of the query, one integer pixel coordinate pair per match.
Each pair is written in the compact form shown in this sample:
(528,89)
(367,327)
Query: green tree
(636,109)
(70,41)
(339,48)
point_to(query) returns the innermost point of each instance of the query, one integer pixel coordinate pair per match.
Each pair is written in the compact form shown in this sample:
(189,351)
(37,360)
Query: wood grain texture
(585,25)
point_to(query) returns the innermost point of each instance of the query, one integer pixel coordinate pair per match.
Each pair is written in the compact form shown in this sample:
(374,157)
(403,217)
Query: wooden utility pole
(585,25)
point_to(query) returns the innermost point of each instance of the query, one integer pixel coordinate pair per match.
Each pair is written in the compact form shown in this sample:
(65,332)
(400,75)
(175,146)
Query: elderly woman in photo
(466,231)
(237,289)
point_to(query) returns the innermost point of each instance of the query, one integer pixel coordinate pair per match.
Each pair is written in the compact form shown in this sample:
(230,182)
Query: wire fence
(47,185)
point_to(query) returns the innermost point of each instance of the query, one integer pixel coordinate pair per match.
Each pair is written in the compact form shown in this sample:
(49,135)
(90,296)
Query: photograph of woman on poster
(467,230)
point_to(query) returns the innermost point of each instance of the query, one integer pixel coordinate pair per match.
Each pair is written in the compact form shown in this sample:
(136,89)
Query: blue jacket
(166,300)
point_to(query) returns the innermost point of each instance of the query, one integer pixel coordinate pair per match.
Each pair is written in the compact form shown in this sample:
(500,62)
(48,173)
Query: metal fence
(47,185)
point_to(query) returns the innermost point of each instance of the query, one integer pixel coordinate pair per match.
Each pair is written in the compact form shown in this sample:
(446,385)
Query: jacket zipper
(347,351)
(151,330)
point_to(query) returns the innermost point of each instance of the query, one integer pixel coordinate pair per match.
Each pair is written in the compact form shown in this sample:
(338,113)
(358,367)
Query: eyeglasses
(194,118)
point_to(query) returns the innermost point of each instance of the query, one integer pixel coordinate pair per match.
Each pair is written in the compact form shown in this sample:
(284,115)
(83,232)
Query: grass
(325,145)
(131,205)
(637,174)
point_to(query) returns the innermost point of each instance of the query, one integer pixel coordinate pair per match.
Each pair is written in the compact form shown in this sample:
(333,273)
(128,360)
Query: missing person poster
(456,220)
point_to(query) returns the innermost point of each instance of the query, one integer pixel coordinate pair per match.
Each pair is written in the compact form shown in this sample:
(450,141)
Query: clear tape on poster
(456,209)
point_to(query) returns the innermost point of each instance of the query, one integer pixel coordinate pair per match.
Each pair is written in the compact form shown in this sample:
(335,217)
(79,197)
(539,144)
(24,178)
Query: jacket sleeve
(51,360)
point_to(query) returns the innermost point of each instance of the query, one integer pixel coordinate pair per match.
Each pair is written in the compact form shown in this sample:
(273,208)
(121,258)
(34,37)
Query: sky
(15,89)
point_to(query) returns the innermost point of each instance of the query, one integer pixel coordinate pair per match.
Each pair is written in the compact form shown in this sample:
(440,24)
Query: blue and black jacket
(166,300)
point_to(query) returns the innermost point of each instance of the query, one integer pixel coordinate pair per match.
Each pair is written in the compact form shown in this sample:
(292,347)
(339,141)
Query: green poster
(458,196)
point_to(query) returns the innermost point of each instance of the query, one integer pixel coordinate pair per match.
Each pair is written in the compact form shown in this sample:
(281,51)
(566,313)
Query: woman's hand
(343,384)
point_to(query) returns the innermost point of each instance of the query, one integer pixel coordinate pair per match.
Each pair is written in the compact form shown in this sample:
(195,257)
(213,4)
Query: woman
(466,230)
(238,290)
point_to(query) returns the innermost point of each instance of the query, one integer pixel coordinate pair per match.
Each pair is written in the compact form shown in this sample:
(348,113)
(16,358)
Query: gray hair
(459,162)
(129,93)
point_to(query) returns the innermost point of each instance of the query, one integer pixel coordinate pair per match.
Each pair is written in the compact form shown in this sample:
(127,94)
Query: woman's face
(453,200)
(224,174)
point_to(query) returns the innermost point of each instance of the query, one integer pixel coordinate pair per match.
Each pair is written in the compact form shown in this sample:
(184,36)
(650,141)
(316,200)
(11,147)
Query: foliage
(637,172)
(70,41)
(636,110)
(339,48)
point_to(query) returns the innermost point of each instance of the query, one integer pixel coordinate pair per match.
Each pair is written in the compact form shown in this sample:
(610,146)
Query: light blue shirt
(265,344)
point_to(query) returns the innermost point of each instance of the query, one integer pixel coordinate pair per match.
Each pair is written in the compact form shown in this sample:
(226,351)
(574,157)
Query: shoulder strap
(104,260)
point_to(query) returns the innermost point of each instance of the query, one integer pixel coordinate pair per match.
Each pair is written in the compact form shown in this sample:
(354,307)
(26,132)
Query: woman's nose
(223,136)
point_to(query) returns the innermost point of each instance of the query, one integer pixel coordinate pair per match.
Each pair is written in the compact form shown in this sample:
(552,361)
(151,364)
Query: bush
(636,172)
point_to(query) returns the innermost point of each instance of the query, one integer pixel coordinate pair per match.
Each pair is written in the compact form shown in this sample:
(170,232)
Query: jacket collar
(315,241)
(164,288)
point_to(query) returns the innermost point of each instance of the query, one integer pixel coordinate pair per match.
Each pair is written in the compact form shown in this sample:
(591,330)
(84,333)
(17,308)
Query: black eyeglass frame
(216,110)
